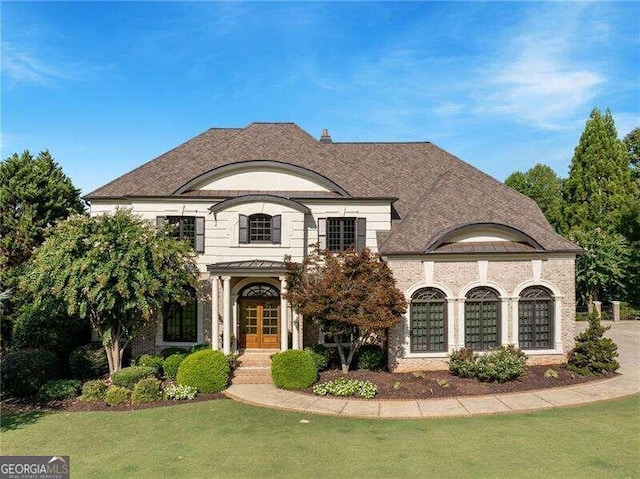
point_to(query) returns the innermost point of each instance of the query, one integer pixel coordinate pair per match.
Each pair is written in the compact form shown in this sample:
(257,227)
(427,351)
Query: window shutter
(200,234)
(160,220)
(361,233)
(276,229)
(322,232)
(243,232)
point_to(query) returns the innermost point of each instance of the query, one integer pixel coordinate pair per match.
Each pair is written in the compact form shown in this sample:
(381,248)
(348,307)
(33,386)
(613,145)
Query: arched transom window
(535,318)
(482,319)
(259,291)
(428,321)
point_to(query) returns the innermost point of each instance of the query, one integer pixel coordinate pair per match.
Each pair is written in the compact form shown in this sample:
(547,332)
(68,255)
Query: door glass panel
(250,323)
(270,318)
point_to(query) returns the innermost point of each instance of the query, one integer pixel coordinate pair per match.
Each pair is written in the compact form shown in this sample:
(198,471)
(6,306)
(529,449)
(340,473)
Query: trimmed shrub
(94,390)
(60,389)
(206,370)
(232,359)
(293,369)
(22,372)
(146,390)
(501,364)
(128,377)
(347,387)
(88,362)
(462,363)
(593,353)
(320,355)
(199,347)
(370,356)
(179,393)
(171,365)
(117,396)
(166,352)
(151,361)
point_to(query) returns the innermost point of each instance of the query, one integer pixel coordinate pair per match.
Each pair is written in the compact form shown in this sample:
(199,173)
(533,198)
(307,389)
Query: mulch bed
(407,386)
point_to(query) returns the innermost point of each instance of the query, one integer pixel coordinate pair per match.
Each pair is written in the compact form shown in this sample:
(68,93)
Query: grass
(228,439)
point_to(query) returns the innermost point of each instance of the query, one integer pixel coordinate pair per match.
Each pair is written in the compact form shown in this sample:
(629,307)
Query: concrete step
(252,375)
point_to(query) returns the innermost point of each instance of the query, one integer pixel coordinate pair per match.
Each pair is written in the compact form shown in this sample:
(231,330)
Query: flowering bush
(178,393)
(346,387)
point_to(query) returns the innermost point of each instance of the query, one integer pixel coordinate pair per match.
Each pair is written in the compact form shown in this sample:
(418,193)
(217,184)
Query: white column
(234,305)
(284,332)
(515,323)
(504,321)
(215,314)
(226,315)
(296,330)
(452,342)
(557,323)
(461,323)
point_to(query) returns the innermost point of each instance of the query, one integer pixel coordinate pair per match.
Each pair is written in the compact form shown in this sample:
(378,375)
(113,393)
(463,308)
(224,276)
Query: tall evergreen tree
(632,143)
(599,190)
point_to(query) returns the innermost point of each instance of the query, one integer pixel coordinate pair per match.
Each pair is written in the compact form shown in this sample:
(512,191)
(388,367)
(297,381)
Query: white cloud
(23,67)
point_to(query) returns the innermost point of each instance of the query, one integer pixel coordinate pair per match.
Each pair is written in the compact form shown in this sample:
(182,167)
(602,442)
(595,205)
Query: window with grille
(428,321)
(535,319)
(482,319)
(260,228)
(341,233)
(184,228)
(180,322)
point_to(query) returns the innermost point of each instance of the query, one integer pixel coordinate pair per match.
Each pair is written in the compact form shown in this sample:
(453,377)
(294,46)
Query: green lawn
(227,439)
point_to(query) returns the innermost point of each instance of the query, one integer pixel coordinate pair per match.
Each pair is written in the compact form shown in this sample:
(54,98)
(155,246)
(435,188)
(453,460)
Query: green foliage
(128,377)
(94,390)
(293,370)
(166,352)
(443,383)
(544,186)
(351,294)
(50,327)
(88,362)
(206,370)
(462,363)
(151,361)
(146,390)
(551,373)
(593,353)
(628,313)
(370,356)
(22,372)
(346,387)
(179,393)
(117,396)
(632,145)
(60,389)
(171,365)
(115,269)
(232,359)
(501,364)
(199,347)
(320,355)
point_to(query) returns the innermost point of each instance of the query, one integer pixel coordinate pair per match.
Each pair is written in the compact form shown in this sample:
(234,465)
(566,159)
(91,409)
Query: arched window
(535,318)
(259,291)
(428,321)
(260,228)
(180,321)
(482,319)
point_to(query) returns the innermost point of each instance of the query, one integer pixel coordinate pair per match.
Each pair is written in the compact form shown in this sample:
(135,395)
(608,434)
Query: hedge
(206,370)
(293,369)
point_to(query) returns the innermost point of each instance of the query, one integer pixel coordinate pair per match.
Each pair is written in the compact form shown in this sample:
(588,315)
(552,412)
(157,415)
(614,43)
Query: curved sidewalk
(625,334)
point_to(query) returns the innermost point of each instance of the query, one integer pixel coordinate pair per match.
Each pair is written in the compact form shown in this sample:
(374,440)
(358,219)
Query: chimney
(325,138)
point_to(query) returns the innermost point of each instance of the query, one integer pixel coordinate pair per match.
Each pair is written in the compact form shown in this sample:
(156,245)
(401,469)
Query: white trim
(555,291)
(254,279)
(489,284)
(504,298)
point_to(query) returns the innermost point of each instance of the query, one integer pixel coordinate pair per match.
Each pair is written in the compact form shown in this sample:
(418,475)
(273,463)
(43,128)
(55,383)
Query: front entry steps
(254,367)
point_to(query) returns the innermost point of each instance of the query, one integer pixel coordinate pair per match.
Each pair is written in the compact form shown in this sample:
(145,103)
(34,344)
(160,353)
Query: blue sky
(108,86)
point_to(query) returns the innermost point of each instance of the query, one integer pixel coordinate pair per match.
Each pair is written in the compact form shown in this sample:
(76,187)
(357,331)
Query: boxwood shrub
(128,377)
(88,362)
(170,351)
(462,363)
(117,396)
(152,361)
(370,356)
(321,355)
(206,370)
(501,364)
(146,390)
(60,389)
(293,369)
(22,372)
(94,390)
(171,365)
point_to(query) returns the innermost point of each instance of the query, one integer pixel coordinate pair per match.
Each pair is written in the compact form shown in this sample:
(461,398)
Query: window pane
(260,229)
(184,228)
(181,322)
(428,321)
(341,233)
(535,319)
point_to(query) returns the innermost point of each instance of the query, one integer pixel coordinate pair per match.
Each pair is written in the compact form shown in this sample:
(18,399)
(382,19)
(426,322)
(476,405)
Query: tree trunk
(114,355)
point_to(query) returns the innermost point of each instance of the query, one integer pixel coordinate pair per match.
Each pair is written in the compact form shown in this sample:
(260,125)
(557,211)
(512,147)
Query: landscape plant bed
(408,386)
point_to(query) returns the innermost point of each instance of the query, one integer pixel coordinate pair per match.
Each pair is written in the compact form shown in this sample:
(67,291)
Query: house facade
(478,262)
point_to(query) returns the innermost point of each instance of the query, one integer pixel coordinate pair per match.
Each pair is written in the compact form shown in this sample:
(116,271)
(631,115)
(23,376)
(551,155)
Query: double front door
(259,322)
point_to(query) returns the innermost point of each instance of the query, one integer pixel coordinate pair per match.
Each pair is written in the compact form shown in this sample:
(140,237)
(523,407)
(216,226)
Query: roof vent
(325,138)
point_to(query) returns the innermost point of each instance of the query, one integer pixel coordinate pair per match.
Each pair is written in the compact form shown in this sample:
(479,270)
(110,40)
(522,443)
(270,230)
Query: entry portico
(255,314)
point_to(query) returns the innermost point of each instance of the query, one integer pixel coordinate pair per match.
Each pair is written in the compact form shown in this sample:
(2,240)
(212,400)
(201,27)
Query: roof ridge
(424,142)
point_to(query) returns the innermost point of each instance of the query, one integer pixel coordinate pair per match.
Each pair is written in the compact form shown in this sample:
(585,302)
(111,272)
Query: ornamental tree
(115,269)
(350,295)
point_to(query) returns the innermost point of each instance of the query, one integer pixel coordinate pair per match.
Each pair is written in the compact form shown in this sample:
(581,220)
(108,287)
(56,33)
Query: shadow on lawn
(11,420)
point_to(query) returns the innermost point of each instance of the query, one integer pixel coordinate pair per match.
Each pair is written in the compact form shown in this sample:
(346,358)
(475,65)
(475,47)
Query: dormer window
(259,228)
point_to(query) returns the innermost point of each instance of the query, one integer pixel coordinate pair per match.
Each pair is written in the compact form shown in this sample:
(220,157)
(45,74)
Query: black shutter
(243,232)
(160,220)
(361,233)
(276,229)
(200,234)
(322,232)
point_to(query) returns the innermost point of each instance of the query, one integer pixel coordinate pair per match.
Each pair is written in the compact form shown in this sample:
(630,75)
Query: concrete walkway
(625,334)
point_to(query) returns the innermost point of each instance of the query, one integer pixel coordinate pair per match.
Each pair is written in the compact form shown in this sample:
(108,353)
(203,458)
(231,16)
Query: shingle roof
(435,191)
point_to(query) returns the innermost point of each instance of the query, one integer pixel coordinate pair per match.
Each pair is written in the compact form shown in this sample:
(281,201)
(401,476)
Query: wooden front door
(259,323)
